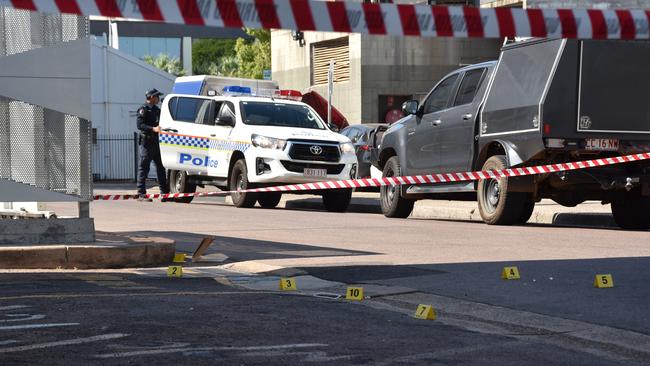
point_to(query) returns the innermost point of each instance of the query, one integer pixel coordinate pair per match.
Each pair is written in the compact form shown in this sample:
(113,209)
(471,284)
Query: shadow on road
(244,249)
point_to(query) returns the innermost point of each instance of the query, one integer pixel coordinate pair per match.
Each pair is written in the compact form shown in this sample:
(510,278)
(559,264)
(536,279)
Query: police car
(236,141)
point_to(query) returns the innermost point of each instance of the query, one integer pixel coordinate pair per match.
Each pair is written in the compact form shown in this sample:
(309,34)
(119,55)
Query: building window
(151,46)
(321,54)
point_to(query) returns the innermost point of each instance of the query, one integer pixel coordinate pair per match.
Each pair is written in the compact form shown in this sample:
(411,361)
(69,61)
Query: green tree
(165,63)
(226,66)
(208,52)
(254,56)
(245,58)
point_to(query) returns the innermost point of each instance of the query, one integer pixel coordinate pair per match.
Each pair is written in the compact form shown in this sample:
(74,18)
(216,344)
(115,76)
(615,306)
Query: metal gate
(115,157)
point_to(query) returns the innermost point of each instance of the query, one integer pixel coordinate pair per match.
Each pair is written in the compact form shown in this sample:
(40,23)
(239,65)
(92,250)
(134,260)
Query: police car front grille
(303,151)
(300,167)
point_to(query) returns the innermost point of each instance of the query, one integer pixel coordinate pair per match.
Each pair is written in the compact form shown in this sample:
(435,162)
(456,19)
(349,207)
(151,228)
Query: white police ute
(237,141)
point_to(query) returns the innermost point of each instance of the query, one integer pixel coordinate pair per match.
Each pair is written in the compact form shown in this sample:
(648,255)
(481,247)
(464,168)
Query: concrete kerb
(99,255)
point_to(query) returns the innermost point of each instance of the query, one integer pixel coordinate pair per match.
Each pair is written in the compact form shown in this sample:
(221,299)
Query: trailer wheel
(269,200)
(496,204)
(178,183)
(239,181)
(630,211)
(392,202)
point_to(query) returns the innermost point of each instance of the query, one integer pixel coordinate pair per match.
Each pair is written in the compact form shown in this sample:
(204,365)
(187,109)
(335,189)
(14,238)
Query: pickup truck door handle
(467,116)
(213,135)
(170,130)
(436,122)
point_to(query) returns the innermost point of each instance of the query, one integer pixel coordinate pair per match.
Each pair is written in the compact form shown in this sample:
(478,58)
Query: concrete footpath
(108,251)
(588,214)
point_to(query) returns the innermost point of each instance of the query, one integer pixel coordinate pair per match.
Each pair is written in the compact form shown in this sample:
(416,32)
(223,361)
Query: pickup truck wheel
(496,204)
(630,211)
(269,200)
(337,200)
(178,183)
(239,181)
(392,202)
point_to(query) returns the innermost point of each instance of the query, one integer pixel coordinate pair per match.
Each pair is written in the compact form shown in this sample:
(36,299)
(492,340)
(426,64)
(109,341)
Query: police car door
(221,146)
(185,134)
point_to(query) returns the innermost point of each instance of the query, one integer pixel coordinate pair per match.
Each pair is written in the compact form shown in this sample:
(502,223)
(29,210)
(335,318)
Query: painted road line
(159,351)
(68,342)
(22,318)
(114,282)
(37,326)
(13,307)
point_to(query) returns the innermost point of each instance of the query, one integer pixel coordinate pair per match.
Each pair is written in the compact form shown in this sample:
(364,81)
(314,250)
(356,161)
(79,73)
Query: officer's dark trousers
(151,152)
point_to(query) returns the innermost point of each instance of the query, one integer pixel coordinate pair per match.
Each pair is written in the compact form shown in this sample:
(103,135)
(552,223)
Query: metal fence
(38,146)
(115,157)
(44,148)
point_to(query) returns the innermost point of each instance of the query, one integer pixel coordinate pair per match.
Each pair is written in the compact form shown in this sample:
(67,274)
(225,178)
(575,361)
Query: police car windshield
(280,115)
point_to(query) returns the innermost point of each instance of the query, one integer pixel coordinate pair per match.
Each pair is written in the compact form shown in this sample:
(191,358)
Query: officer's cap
(153,93)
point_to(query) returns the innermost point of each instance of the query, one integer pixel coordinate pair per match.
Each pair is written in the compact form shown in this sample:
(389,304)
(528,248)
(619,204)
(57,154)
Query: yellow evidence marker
(354,293)
(179,258)
(603,281)
(174,271)
(425,312)
(288,284)
(510,273)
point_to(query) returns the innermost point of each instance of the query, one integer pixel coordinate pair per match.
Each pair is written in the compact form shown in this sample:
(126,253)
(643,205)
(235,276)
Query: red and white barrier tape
(414,179)
(367,18)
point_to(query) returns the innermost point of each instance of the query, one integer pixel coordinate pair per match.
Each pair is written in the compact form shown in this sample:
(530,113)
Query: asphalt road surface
(81,319)
(552,315)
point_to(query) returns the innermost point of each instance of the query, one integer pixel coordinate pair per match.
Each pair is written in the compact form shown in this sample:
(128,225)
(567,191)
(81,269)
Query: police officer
(148,119)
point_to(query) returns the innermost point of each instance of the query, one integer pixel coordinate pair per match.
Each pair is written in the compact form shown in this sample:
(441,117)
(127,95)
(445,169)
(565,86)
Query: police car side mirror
(225,121)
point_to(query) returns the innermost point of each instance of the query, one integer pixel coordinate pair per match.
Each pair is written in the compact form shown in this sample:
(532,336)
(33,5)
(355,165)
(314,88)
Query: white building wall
(118,85)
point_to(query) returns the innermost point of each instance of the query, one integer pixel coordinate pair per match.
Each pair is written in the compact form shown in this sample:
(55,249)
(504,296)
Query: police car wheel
(337,200)
(239,181)
(178,183)
(269,200)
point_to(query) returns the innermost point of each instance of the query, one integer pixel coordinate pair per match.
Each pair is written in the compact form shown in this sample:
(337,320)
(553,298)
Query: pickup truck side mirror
(225,121)
(334,127)
(410,107)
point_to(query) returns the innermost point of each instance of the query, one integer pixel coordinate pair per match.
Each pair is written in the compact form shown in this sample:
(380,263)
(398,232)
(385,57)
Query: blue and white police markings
(197,160)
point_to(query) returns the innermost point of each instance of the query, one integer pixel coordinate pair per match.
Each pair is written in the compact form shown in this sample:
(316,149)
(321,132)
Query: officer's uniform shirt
(148,118)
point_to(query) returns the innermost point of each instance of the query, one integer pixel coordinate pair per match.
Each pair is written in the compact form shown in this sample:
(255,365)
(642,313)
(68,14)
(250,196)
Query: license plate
(602,144)
(310,172)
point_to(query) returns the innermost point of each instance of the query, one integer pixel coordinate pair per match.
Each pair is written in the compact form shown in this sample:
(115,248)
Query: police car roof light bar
(234,90)
(288,94)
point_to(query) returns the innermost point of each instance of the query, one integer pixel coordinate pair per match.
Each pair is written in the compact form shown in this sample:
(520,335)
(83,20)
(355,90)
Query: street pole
(330,86)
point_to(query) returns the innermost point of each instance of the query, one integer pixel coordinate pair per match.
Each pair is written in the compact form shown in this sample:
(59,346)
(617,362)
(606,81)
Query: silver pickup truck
(542,102)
